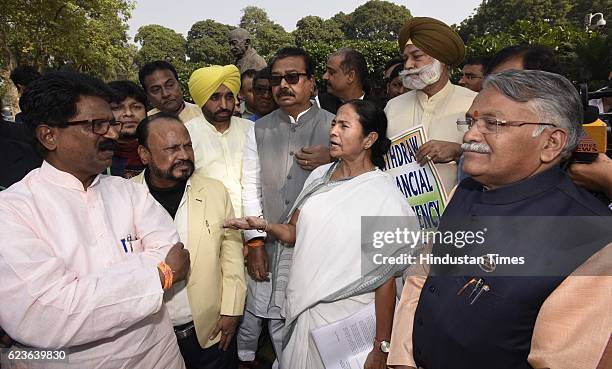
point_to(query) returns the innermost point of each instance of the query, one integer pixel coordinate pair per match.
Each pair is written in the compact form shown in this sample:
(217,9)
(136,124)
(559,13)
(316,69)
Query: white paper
(345,344)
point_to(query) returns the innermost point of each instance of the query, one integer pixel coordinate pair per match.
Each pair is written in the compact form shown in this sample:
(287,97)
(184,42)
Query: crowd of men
(115,195)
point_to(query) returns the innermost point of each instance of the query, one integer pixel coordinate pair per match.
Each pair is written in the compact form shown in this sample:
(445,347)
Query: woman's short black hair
(52,99)
(373,119)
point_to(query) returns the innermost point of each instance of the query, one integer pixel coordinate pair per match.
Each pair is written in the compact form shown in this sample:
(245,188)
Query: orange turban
(434,38)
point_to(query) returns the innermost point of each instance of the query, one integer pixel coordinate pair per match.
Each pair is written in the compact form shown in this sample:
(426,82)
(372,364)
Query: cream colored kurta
(216,283)
(438,114)
(219,155)
(190,112)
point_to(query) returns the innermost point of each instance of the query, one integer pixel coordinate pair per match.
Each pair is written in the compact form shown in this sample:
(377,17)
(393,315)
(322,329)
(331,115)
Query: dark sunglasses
(291,78)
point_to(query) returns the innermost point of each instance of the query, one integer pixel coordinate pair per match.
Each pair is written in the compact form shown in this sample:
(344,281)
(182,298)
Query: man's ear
(144,154)
(247,42)
(351,76)
(554,145)
(47,136)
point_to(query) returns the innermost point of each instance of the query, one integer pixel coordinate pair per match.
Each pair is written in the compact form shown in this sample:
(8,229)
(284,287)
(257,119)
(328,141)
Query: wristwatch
(382,345)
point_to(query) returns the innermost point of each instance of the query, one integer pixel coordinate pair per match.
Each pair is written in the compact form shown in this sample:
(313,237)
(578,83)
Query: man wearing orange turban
(430,48)
(219,137)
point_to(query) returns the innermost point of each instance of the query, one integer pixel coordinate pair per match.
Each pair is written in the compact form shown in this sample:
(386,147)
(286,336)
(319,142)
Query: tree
(207,42)
(312,28)
(88,36)
(159,43)
(376,20)
(376,53)
(497,16)
(581,8)
(268,36)
(585,56)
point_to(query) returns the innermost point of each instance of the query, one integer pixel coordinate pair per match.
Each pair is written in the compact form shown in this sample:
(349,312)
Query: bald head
(239,41)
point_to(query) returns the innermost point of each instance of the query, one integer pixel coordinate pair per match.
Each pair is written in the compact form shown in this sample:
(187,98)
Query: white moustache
(410,72)
(476,147)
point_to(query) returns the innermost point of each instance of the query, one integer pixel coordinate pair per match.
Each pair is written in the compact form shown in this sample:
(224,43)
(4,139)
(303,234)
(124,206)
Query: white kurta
(438,114)
(327,256)
(219,155)
(67,280)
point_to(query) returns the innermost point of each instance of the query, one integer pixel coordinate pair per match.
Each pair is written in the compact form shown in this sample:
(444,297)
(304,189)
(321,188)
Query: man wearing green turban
(218,138)
(430,48)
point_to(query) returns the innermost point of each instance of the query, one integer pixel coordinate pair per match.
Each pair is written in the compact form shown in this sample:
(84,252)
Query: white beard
(418,79)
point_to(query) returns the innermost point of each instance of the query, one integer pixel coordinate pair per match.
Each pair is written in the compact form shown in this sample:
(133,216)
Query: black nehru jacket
(496,331)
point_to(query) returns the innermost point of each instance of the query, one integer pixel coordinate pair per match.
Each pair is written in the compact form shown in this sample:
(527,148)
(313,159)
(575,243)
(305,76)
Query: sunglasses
(291,78)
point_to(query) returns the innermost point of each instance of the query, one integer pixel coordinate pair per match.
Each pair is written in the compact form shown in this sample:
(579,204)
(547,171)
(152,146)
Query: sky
(179,15)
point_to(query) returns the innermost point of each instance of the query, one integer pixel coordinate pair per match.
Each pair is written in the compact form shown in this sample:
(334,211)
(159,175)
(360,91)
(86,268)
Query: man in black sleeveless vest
(536,292)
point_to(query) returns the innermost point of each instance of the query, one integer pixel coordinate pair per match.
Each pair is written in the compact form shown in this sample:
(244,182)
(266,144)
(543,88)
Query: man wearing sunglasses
(550,310)
(280,152)
(85,258)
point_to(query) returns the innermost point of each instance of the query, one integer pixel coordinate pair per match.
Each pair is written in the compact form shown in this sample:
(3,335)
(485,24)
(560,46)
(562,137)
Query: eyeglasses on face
(291,78)
(98,126)
(488,125)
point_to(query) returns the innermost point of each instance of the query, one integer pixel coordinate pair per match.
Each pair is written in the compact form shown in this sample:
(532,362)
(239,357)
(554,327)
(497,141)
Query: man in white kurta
(429,47)
(218,137)
(80,250)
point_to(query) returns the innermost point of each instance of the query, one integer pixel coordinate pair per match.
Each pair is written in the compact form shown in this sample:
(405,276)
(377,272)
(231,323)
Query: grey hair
(551,96)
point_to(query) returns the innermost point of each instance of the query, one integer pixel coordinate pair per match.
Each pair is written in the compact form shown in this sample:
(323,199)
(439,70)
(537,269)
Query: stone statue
(246,56)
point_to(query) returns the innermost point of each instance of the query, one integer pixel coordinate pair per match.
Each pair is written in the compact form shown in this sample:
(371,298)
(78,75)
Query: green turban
(434,38)
(205,81)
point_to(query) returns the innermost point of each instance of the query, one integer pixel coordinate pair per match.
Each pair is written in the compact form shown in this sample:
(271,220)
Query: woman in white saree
(325,277)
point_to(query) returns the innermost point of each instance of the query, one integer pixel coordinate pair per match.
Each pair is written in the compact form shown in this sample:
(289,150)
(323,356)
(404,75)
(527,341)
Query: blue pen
(123,243)
(129,241)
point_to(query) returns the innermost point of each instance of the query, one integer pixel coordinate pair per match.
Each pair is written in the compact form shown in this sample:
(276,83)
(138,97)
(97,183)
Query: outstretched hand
(246,223)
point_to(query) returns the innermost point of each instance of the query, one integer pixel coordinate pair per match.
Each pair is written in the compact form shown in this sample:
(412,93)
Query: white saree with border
(327,257)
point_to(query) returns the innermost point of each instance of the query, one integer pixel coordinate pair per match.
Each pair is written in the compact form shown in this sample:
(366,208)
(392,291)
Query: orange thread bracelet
(167,272)
(256,242)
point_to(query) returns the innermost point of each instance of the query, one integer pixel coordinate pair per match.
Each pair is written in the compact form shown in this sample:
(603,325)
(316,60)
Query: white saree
(327,257)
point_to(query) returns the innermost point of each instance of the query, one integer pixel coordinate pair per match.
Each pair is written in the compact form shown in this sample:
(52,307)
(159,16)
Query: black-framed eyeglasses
(488,125)
(291,78)
(99,126)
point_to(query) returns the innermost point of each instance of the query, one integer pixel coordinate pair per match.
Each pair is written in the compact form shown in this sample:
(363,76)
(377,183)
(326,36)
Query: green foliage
(376,20)
(88,36)
(376,53)
(159,43)
(497,16)
(312,28)
(207,42)
(268,36)
(585,56)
